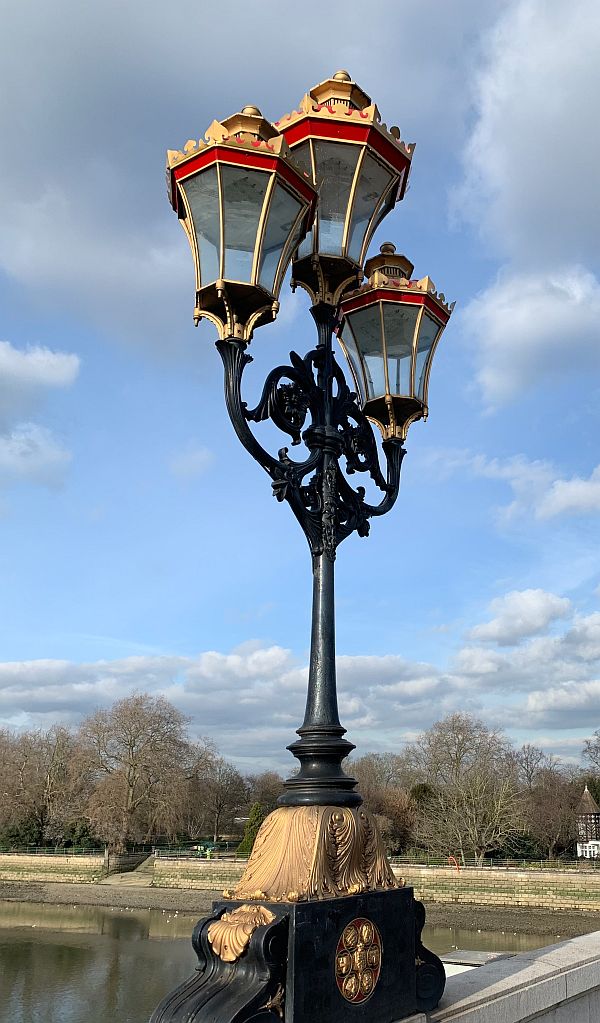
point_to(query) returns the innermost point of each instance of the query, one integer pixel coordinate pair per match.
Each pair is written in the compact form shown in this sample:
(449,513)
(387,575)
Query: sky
(140,546)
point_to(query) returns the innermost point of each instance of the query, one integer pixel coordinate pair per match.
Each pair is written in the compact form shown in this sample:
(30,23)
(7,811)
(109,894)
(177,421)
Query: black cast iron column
(321,748)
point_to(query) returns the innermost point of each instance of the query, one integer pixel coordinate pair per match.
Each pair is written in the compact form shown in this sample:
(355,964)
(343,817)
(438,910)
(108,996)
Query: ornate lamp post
(318,926)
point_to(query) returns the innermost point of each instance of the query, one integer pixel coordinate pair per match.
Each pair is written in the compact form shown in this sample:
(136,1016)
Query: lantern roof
(389,277)
(337,102)
(246,132)
(587,804)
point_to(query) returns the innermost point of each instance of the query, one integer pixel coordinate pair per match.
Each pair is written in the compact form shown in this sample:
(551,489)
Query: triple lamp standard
(318,928)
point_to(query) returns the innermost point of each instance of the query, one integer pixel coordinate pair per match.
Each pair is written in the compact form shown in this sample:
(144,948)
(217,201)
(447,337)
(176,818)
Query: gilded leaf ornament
(305,853)
(230,935)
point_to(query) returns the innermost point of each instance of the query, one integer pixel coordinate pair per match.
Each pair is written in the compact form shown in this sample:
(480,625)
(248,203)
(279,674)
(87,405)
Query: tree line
(129,774)
(132,774)
(464,790)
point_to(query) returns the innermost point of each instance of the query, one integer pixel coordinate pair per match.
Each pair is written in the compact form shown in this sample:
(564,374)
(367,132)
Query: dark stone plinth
(308,954)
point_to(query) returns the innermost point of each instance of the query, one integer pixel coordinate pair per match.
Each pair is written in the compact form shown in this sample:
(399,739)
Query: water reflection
(119,923)
(87,964)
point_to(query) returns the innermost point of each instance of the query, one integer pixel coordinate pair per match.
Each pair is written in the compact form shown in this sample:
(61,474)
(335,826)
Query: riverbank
(512,920)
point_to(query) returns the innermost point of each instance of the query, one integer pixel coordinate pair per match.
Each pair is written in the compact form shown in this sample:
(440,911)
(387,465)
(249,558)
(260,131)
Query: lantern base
(393,414)
(325,278)
(358,956)
(235,308)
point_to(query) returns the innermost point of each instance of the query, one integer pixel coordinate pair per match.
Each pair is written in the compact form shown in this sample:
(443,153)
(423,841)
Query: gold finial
(341,76)
(252,111)
(389,262)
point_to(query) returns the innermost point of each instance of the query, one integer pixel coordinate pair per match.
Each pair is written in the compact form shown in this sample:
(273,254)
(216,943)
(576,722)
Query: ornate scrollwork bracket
(310,401)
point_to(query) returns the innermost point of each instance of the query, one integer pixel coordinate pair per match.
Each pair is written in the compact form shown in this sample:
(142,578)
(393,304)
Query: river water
(87,964)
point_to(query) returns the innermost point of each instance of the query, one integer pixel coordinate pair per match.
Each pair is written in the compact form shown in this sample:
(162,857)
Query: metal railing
(225,850)
(417,860)
(42,850)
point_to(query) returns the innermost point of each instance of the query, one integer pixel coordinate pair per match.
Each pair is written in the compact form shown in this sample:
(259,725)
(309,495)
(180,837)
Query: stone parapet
(547,889)
(556,984)
(38,867)
(501,886)
(207,875)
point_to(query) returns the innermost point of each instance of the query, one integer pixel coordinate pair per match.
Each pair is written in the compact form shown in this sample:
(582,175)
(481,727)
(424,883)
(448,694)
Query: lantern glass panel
(283,213)
(399,323)
(335,166)
(373,181)
(301,156)
(387,205)
(243,197)
(202,194)
(365,325)
(427,334)
(291,247)
(353,357)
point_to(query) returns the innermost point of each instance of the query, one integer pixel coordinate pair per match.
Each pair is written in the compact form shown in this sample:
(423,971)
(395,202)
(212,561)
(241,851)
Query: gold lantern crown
(272,201)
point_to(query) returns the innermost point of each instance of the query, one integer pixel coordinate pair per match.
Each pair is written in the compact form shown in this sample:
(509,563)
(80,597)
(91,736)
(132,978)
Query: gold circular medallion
(358,960)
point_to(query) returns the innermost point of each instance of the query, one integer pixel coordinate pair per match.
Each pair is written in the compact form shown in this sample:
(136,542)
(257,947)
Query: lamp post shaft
(321,703)
(321,748)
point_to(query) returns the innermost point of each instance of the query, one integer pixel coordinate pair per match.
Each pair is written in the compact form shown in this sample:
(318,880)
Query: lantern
(360,170)
(389,332)
(245,207)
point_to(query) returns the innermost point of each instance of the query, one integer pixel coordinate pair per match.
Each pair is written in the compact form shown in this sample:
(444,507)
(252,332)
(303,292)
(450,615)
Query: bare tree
(42,784)
(473,803)
(136,748)
(474,816)
(591,750)
(178,802)
(265,789)
(551,810)
(531,761)
(223,791)
(455,745)
(378,771)
(383,779)
(396,814)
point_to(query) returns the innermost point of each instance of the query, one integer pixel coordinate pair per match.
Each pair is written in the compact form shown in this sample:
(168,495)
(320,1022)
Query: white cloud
(537,487)
(528,326)
(26,374)
(567,705)
(192,461)
(572,656)
(530,186)
(532,157)
(251,699)
(576,496)
(30,453)
(520,614)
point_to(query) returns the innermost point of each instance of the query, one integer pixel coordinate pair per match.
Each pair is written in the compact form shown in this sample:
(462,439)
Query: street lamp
(244,206)
(360,170)
(318,922)
(390,329)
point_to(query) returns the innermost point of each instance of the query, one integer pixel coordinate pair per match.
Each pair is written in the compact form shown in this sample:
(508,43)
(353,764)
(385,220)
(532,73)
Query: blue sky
(140,547)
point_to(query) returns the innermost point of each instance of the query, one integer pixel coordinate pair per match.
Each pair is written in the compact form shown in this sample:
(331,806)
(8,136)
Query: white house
(588,827)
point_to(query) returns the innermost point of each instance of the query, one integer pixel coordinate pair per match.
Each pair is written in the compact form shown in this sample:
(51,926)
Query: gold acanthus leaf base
(306,853)
(230,935)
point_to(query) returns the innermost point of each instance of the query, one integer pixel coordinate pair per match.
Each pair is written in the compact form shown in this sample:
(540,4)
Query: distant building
(588,827)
